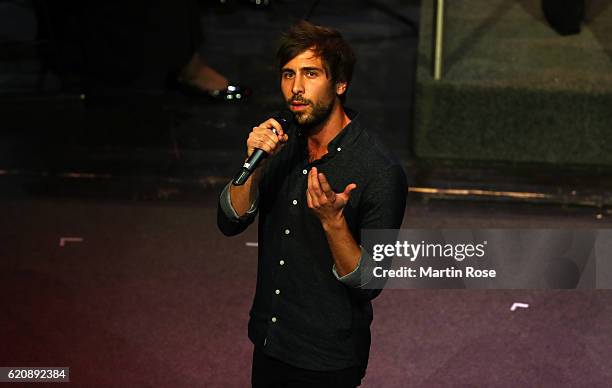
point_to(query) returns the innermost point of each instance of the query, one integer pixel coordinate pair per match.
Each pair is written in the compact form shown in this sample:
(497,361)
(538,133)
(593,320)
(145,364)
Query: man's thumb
(349,188)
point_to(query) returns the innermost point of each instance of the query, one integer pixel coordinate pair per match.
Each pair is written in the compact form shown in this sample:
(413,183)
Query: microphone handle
(284,118)
(250,165)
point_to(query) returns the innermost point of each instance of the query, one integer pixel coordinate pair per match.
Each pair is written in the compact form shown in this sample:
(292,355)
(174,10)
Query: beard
(319,113)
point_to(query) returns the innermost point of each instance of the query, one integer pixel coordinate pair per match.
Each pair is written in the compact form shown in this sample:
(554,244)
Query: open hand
(327,205)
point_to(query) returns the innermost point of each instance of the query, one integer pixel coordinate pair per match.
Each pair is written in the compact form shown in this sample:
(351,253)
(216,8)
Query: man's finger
(347,190)
(265,132)
(273,124)
(325,186)
(314,180)
(314,199)
(309,199)
(267,145)
(309,192)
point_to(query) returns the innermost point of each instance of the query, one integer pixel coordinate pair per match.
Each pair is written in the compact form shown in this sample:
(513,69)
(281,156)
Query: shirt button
(287,231)
(273,319)
(339,149)
(282,262)
(294,202)
(304,172)
(277,292)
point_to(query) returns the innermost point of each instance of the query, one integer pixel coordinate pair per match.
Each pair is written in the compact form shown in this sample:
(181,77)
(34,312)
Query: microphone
(258,155)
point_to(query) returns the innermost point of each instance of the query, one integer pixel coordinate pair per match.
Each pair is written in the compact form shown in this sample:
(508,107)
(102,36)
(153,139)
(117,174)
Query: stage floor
(155,295)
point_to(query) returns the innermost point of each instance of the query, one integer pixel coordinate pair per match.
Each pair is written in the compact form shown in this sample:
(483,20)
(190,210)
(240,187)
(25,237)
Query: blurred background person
(115,47)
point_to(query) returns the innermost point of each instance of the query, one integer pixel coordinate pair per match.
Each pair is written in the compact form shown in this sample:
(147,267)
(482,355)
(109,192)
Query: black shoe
(233,92)
(260,4)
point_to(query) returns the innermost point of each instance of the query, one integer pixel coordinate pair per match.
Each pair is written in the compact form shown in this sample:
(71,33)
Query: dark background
(154,295)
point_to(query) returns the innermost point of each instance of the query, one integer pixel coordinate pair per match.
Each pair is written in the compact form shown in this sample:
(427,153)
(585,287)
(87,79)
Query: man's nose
(298,85)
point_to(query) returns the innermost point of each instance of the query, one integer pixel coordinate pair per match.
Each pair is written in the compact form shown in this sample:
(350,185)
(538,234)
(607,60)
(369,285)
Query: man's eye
(287,75)
(311,74)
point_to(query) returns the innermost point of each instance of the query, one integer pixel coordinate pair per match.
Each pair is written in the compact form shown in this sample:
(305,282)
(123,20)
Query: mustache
(298,99)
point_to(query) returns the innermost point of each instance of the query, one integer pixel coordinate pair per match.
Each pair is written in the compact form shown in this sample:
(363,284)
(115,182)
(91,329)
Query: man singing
(325,180)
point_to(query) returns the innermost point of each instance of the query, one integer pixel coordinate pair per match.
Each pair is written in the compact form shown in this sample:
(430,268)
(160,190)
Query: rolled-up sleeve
(361,275)
(384,207)
(228,220)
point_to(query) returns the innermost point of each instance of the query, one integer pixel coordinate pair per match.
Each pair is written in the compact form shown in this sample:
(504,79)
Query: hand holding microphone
(264,140)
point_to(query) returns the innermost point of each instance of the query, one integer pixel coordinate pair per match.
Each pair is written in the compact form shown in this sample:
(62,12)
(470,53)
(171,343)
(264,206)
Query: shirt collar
(345,138)
(348,134)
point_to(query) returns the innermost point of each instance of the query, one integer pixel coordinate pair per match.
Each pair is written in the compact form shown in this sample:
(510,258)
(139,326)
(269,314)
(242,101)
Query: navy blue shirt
(303,313)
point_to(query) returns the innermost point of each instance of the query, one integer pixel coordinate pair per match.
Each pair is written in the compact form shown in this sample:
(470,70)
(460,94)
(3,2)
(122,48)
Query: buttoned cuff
(357,278)
(228,209)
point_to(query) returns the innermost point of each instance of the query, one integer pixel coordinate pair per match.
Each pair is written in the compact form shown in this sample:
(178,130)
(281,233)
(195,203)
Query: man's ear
(341,88)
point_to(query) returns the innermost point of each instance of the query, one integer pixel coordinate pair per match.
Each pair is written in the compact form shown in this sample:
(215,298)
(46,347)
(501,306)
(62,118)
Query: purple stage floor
(154,295)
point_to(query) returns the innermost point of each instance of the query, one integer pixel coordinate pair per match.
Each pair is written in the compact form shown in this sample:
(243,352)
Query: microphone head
(284,117)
